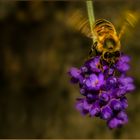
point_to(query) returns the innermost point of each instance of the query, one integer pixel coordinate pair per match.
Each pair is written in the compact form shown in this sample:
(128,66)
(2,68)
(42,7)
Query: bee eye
(117,54)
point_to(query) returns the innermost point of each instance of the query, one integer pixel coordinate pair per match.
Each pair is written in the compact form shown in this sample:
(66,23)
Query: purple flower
(122,64)
(122,116)
(126,83)
(116,105)
(82,106)
(104,97)
(75,74)
(95,109)
(124,58)
(79,106)
(109,71)
(112,82)
(84,69)
(94,64)
(92,97)
(114,122)
(94,82)
(119,92)
(83,91)
(124,102)
(103,88)
(106,113)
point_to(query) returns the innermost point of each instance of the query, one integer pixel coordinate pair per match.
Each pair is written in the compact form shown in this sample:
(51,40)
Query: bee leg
(90,52)
(111,64)
(93,49)
(101,64)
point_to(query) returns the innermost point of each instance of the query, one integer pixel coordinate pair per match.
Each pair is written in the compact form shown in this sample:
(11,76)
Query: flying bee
(106,41)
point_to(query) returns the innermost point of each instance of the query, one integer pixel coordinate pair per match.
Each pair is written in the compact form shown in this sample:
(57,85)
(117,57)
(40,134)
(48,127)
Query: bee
(106,41)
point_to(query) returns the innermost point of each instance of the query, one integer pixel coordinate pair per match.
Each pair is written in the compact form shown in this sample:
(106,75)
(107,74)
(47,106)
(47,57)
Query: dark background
(36,51)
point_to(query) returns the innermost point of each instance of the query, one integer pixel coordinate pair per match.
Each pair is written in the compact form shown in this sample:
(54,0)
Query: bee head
(111,56)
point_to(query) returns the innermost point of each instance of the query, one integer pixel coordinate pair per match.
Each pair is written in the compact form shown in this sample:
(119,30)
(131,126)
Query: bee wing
(131,18)
(130,21)
(77,21)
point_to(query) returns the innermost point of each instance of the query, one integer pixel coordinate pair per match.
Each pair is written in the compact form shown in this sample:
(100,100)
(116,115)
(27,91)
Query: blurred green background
(36,51)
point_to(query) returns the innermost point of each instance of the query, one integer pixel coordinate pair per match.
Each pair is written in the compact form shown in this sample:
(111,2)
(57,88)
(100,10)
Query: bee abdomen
(103,25)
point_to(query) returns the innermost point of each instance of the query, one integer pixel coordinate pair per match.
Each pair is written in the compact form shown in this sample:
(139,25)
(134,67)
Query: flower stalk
(91,16)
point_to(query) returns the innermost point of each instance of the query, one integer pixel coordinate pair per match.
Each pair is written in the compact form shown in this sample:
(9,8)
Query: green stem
(91,16)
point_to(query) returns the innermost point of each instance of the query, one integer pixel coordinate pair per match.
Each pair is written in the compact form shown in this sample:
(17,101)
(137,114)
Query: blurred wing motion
(77,21)
(106,40)
(130,21)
